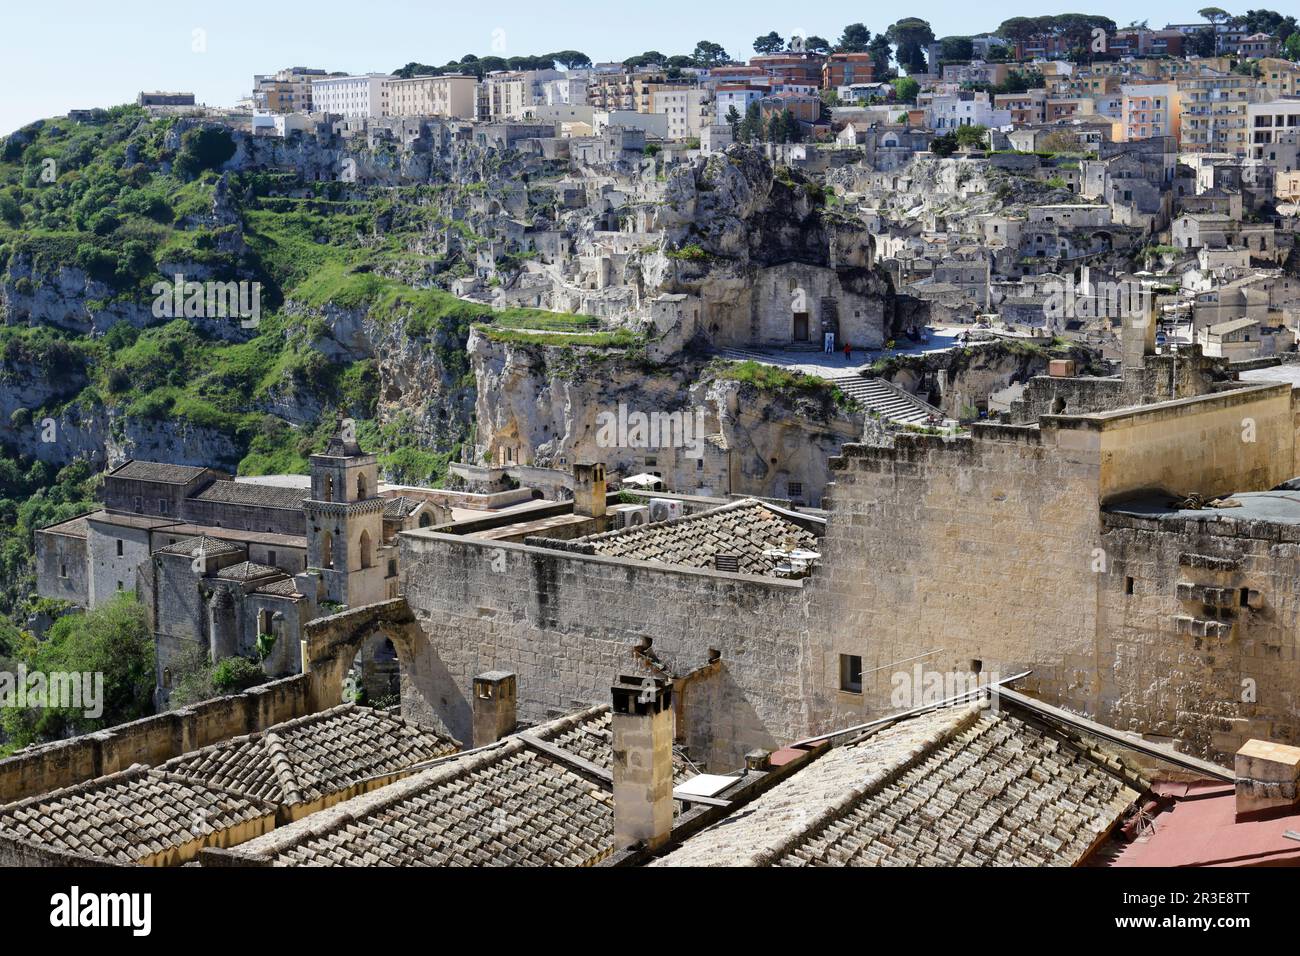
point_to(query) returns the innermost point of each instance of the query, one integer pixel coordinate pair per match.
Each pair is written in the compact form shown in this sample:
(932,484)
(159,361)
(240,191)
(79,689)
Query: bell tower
(345,520)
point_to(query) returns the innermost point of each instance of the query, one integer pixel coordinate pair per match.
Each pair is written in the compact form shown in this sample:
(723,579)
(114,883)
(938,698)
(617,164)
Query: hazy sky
(63,54)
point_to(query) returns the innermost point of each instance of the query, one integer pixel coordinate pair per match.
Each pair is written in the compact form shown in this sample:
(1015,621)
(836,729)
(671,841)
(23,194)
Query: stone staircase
(886,399)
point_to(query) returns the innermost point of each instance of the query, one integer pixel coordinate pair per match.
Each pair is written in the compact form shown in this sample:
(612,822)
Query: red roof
(1201,829)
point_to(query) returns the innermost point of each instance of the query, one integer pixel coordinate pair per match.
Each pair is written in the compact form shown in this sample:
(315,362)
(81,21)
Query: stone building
(237,567)
(995,553)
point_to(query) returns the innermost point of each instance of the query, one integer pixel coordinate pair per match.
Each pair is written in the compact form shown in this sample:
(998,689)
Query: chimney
(1267,776)
(643,761)
(589,490)
(1138,331)
(494,706)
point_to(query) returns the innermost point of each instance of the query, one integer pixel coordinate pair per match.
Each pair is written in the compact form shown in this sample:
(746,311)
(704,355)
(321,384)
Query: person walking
(848,351)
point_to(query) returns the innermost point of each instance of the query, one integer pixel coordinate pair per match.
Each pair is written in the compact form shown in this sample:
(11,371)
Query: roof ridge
(277,750)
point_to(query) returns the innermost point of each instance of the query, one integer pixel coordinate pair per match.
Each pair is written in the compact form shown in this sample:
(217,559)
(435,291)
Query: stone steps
(888,401)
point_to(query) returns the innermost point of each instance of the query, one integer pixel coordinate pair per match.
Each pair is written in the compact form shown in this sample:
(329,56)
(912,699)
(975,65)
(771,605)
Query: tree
(972,137)
(1018,28)
(708,54)
(910,36)
(906,88)
(816,44)
(571,59)
(207,147)
(880,51)
(1202,42)
(1291,49)
(769,43)
(113,640)
(944,145)
(956,48)
(855,39)
(1214,14)
(751,127)
(733,120)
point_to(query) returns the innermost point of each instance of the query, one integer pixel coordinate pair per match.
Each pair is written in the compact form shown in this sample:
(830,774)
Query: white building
(686,109)
(948,111)
(570,90)
(725,97)
(1269,122)
(353,97)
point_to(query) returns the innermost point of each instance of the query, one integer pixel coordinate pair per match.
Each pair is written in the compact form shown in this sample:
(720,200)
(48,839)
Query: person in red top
(848,352)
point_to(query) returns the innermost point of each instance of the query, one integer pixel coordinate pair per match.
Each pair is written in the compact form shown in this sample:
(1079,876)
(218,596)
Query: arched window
(366,556)
(329,488)
(425,520)
(361,487)
(327,550)
(263,622)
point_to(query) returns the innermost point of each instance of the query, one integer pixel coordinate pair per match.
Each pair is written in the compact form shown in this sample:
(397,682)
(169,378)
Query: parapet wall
(568,624)
(152,740)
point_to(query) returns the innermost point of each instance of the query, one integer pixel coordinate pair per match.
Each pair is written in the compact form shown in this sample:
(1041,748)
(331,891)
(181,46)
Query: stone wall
(568,625)
(61,568)
(152,740)
(1198,619)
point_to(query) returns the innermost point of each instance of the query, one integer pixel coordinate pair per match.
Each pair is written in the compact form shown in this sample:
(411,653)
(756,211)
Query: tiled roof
(513,804)
(314,756)
(955,787)
(252,494)
(157,471)
(202,543)
(745,529)
(399,507)
(282,587)
(247,571)
(127,817)
(73,527)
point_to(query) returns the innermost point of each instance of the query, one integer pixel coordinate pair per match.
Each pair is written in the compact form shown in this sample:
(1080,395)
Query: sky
(66,54)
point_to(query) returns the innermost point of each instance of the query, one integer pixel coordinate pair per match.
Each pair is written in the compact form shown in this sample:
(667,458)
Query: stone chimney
(589,490)
(1267,777)
(1138,331)
(643,761)
(494,706)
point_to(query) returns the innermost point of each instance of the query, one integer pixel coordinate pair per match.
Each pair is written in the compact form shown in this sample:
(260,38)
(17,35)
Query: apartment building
(1270,123)
(736,96)
(570,90)
(1150,109)
(286,91)
(687,109)
(624,91)
(847,69)
(1257,46)
(1026,109)
(799,69)
(453,95)
(353,97)
(1212,113)
(1279,77)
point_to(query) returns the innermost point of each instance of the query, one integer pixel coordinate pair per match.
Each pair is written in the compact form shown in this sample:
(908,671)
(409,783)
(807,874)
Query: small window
(977,666)
(119,585)
(851,673)
(270,558)
(796,489)
(162,506)
(726,562)
(1128,585)
(63,570)
(1245,597)
(139,505)
(651,461)
(119,547)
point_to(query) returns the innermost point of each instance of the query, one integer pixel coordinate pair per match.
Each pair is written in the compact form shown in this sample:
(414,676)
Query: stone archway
(330,645)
